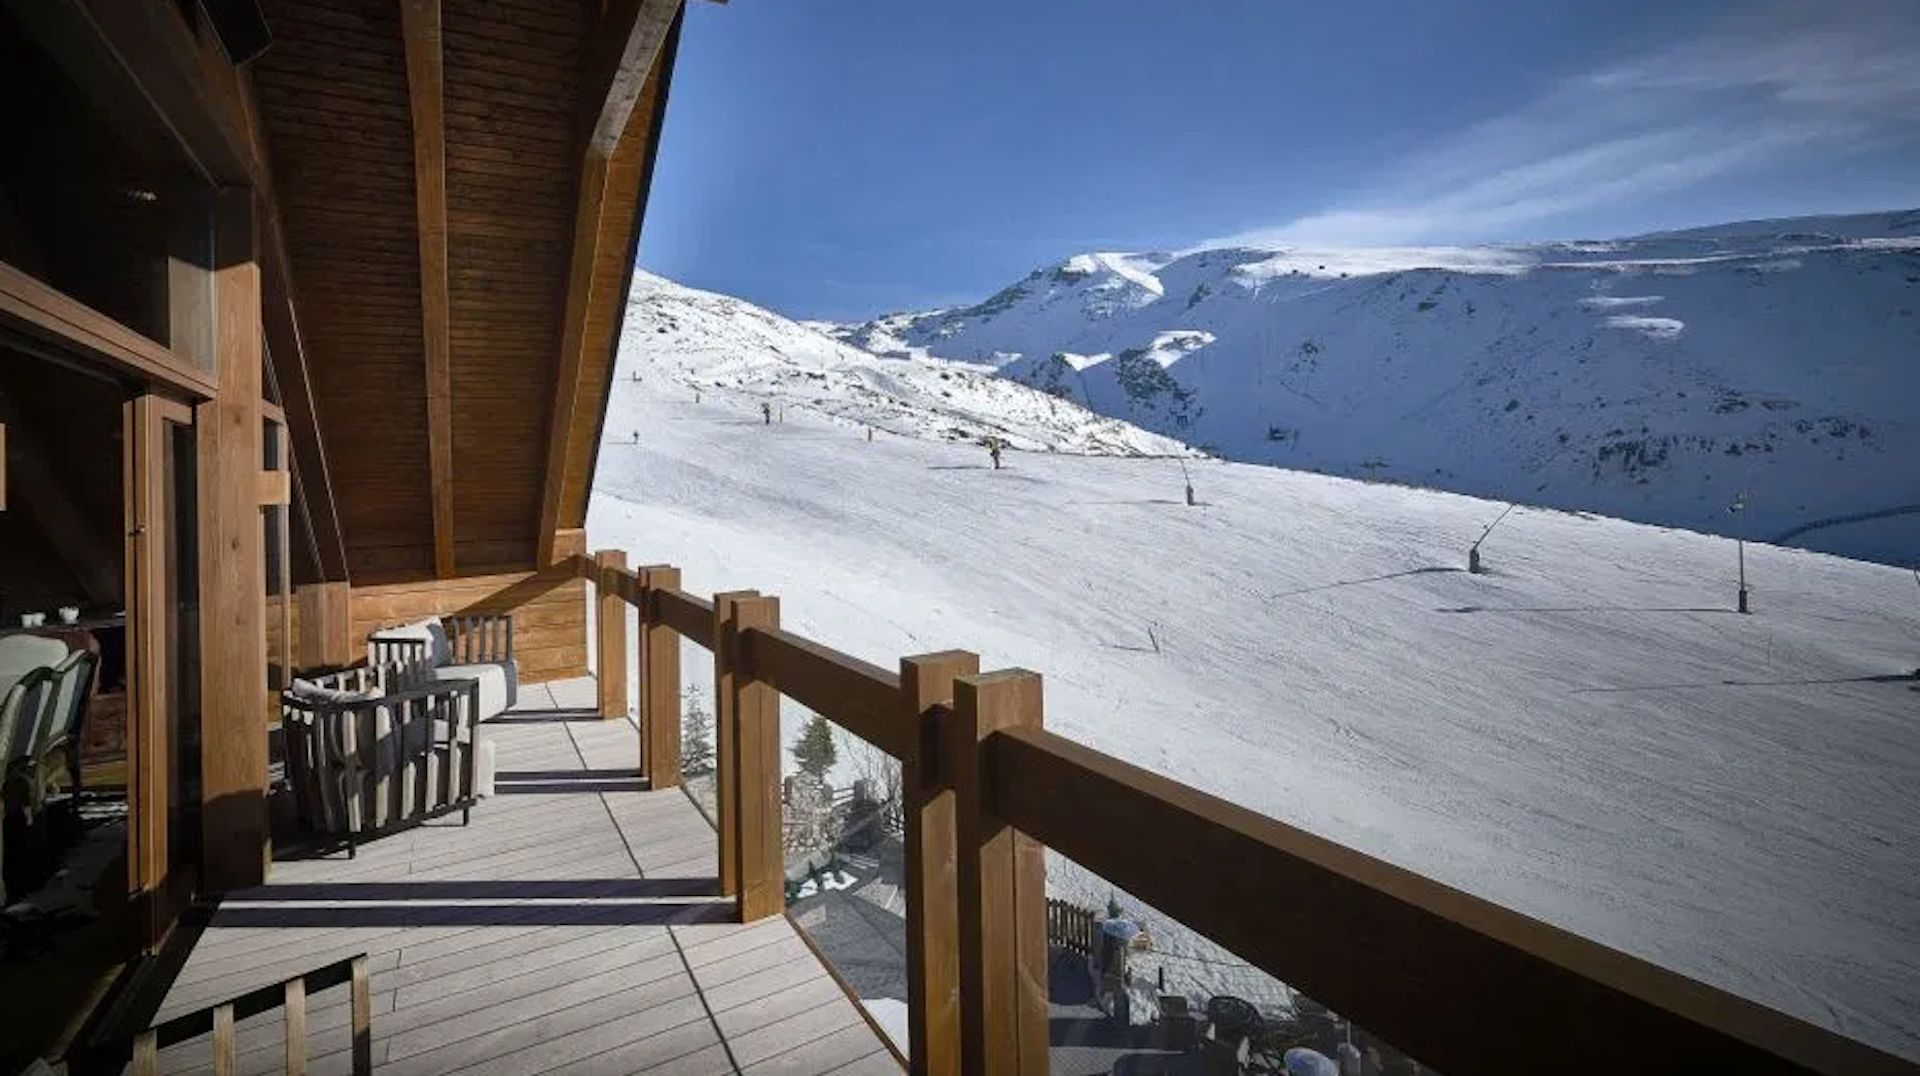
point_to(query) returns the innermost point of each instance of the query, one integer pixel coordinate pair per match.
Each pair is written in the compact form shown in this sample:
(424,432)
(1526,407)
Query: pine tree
(696,743)
(815,752)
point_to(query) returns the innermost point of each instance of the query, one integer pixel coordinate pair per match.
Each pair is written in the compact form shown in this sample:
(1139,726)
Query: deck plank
(566,929)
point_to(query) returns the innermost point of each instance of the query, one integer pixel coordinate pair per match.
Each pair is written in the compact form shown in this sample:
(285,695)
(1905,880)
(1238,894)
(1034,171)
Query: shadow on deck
(573,926)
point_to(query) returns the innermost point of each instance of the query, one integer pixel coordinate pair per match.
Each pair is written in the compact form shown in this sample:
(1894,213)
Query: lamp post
(1738,506)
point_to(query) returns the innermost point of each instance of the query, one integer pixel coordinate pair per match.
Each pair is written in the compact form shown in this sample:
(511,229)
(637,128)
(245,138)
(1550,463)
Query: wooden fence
(1459,983)
(1072,927)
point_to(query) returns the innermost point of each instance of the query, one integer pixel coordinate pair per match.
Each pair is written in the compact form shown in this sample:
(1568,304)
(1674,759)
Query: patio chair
(21,712)
(469,647)
(56,748)
(26,709)
(370,750)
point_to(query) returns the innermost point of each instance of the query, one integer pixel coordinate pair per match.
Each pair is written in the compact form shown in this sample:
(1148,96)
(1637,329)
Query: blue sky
(844,158)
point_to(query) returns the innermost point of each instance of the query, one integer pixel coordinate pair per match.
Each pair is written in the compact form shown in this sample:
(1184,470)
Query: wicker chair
(370,750)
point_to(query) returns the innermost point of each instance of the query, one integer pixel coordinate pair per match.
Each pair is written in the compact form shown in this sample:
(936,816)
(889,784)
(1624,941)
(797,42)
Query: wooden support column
(659,683)
(932,866)
(1002,889)
(570,542)
(756,719)
(726,741)
(610,635)
(326,625)
(420,25)
(233,635)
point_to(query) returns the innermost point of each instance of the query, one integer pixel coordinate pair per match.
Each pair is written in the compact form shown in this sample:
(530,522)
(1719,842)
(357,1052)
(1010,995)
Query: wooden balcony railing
(140,1053)
(1464,985)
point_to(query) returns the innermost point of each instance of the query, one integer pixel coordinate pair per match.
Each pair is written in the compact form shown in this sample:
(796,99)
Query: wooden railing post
(1002,888)
(295,1020)
(362,1016)
(756,717)
(726,741)
(326,636)
(223,1040)
(659,682)
(610,634)
(932,870)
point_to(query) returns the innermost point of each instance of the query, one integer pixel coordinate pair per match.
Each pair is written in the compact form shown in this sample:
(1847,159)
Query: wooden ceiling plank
(420,22)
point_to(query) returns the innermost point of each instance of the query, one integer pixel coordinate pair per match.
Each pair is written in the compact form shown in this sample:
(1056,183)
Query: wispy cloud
(1756,91)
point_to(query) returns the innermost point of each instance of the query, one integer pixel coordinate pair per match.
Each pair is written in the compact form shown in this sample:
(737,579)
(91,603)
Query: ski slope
(1587,735)
(721,346)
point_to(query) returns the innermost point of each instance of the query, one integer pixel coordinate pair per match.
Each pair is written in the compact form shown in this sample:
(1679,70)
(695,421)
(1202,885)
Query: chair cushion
(20,653)
(497,685)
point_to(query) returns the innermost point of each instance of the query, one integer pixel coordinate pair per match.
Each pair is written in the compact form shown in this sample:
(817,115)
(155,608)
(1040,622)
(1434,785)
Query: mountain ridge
(1658,378)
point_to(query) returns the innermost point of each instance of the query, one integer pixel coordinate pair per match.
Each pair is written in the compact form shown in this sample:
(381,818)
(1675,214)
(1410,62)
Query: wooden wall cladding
(333,99)
(513,155)
(549,611)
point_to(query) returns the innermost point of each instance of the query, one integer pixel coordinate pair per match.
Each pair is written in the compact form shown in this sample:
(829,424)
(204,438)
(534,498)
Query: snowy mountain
(732,350)
(1653,378)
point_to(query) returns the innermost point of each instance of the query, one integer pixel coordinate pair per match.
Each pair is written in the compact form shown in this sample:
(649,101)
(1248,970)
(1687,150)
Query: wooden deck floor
(572,927)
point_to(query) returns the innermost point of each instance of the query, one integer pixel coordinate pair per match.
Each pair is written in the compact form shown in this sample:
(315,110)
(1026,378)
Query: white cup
(69,613)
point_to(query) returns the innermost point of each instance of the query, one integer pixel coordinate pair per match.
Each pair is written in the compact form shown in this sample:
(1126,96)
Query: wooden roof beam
(624,47)
(420,24)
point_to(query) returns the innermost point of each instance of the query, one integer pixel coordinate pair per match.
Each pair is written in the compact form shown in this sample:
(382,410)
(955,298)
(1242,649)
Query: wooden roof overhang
(449,199)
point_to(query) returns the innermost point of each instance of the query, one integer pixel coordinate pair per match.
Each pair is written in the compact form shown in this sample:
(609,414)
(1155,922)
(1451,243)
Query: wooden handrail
(1460,983)
(687,614)
(143,1049)
(861,698)
(617,582)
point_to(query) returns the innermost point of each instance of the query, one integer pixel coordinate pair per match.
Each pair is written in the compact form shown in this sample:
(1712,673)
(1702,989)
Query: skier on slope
(766,413)
(993,449)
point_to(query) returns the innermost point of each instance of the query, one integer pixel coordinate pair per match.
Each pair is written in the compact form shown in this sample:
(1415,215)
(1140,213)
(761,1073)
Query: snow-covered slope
(1651,378)
(1588,734)
(730,349)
